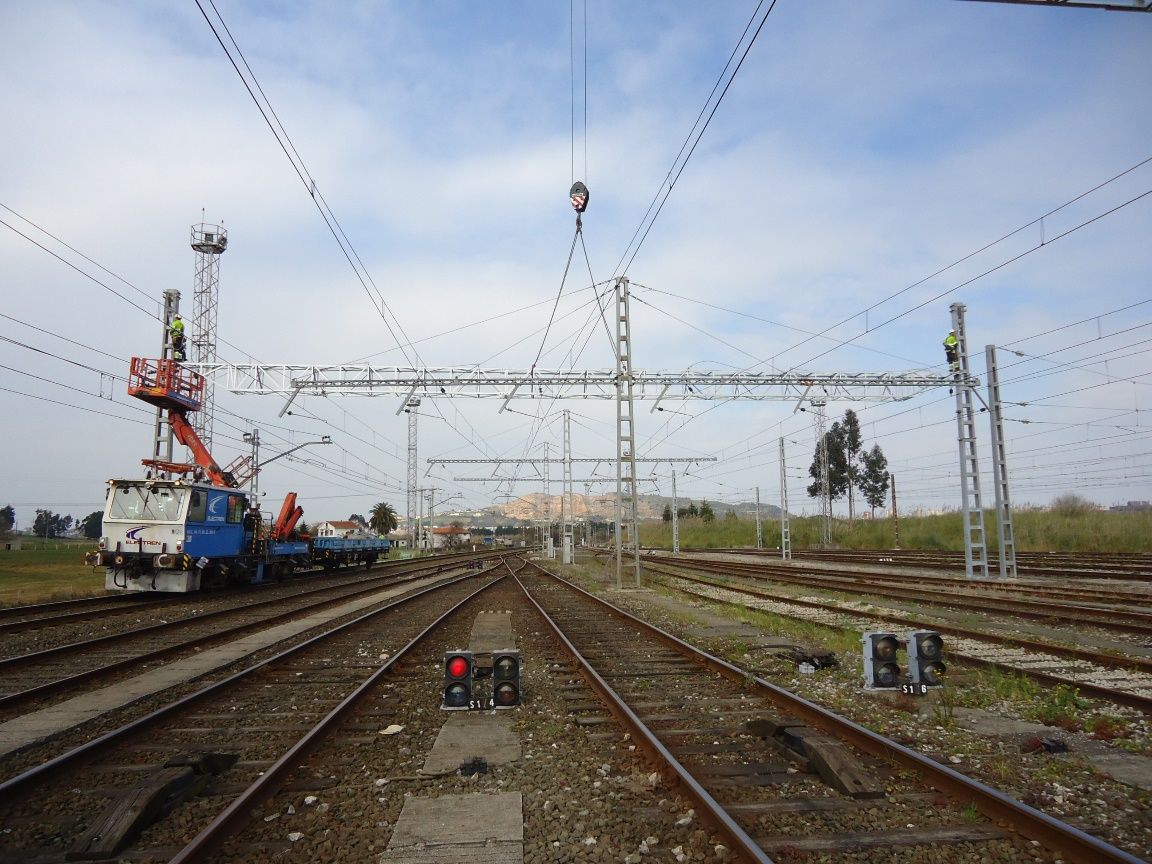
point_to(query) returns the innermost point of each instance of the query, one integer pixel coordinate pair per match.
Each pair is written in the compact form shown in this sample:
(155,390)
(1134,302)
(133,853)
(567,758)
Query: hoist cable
(559,293)
(601,306)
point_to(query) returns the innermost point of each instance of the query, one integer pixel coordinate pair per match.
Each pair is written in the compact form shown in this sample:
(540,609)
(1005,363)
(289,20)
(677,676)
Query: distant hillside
(602,508)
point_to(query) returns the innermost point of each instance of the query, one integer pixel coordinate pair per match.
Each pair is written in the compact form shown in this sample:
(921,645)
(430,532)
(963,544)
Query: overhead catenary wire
(300,168)
(692,140)
(1064,234)
(457,420)
(984,248)
(889,433)
(76,251)
(380,304)
(84,273)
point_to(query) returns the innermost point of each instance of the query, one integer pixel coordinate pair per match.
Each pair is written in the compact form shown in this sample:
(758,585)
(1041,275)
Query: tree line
(704,511)
(49,524)
(851,468)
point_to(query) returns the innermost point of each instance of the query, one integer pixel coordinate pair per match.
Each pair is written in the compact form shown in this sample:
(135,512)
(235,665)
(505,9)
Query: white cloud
(862,147)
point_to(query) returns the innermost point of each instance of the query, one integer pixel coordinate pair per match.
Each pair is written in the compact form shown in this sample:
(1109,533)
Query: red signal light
(457,667)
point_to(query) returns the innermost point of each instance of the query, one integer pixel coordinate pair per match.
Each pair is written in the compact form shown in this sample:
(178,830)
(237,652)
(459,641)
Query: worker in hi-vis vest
(952,351)
(176,329)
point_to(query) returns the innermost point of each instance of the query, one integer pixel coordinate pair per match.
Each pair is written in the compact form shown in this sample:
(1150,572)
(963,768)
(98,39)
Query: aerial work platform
(165,384)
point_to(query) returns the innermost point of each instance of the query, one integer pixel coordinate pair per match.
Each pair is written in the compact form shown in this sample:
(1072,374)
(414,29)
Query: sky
(869,164)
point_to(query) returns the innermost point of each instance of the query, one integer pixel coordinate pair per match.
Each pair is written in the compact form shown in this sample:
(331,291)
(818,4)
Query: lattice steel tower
(410,406)
(971,508)
(209,243)
(627,536)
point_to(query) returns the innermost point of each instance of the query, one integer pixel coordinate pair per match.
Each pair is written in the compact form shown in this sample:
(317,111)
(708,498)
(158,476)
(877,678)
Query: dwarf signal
(505,679)
(881,671)
(925,662)
(458,667)
(926,658)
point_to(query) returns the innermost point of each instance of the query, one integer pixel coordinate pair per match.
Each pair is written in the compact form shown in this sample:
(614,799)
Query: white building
(340,528)
(449,536)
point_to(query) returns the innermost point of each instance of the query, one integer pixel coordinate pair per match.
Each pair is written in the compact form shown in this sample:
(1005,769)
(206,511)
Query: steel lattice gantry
(507,384)
(623,385)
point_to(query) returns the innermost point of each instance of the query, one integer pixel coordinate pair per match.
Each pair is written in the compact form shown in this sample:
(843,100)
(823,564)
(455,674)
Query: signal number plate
(481,704)
(914,689)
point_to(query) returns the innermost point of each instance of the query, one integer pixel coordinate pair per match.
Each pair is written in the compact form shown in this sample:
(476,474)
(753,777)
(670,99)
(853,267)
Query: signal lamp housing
(926,658)
(506,679)
(458,667)
(881,668)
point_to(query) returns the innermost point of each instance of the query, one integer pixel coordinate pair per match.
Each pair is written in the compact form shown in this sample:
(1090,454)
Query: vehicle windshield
(139,503)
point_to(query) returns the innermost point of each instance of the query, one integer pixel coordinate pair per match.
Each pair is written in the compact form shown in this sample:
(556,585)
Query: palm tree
(383,518)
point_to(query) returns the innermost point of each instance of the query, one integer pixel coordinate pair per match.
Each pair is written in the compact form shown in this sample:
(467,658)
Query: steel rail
(33,608)
(714,811)
(1031,585)
(379,581)
(1119,697)
(1138,622)
(432,564)
(1037,564)
(66,760)
(80,615)
(238,812)
(1066,840)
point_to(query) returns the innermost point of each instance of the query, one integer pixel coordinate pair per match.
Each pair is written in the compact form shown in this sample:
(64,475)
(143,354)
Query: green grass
(1035,531)
(47,570)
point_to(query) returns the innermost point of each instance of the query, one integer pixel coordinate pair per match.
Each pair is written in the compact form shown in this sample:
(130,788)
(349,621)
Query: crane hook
(579,196)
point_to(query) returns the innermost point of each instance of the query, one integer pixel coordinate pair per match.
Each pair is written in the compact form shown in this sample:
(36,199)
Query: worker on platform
(952,351)
(176,330)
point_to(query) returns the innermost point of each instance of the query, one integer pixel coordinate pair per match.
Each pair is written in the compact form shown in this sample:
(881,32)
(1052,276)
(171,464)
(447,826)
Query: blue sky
(862,148)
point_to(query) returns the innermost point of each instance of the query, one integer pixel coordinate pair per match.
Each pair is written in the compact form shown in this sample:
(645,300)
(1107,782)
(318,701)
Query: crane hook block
(579,195)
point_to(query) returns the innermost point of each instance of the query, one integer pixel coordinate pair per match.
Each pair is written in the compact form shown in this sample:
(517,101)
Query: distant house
(340,528)
(449,536)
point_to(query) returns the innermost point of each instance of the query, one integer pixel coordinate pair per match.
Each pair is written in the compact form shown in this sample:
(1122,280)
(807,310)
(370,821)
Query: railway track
(314,752)
(1108,674)
(244,726)
(1116,618)
(59,624)
(63,669)
(1112,566)
(1117,678)
(16,619)
(714,725)
(1137,595)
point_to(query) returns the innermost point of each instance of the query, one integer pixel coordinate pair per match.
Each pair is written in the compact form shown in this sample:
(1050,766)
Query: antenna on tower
(209,243)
